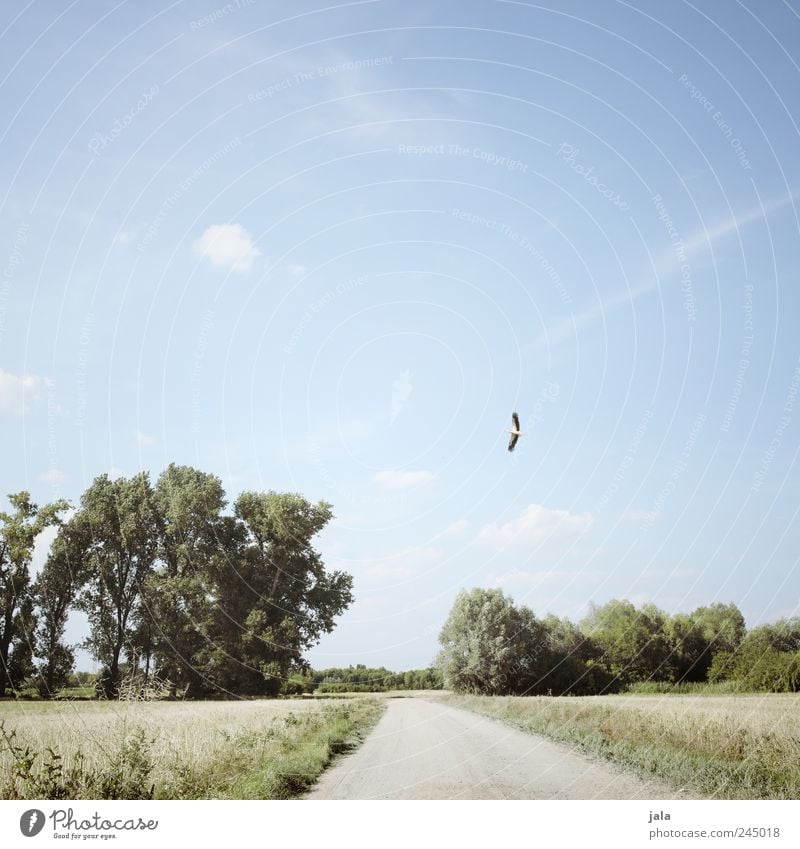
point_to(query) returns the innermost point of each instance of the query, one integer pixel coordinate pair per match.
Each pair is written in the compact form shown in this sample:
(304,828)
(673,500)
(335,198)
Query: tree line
(174,587)
(350,679)
(491,646)
(362,679)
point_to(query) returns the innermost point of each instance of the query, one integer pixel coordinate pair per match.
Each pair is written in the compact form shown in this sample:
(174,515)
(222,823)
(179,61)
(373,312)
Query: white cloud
(227,246)
(535,525)
(402,480)
(144,440)
(52,476)
(297,270)
(454,529)
(17,391)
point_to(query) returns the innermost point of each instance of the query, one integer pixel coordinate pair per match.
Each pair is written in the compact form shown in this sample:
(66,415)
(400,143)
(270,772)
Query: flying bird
(515,434)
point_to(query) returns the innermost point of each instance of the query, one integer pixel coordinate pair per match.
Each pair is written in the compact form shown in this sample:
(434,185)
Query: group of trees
(492,646)
(174,587)
(362,679)
(179,590)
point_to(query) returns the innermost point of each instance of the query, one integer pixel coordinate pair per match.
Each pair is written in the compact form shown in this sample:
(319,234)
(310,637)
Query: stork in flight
(515,434)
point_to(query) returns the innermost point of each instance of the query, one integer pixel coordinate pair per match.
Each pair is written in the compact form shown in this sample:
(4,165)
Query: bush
(36,775)
(297,685)
(757,665)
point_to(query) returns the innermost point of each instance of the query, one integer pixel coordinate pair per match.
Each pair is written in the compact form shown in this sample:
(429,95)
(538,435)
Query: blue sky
(329,250)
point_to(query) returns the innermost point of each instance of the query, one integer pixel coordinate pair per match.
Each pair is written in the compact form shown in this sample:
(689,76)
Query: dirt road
(424,750)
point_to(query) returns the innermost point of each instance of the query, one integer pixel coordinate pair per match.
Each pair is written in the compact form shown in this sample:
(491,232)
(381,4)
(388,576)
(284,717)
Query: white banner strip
(350,825)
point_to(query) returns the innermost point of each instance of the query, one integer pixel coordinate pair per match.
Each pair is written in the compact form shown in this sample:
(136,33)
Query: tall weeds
(279,759)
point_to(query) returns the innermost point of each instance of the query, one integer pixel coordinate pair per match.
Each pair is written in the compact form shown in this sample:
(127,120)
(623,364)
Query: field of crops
(232,749)
(732,747)
(758,713)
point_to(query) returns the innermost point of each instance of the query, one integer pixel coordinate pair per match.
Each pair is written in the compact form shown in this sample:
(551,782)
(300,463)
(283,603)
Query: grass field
(175,750)
(725,747)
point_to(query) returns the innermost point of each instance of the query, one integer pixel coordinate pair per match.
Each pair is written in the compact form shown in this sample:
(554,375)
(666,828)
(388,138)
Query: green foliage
(490,646)
(634,643)
(572,661)
(684,688)
(270,596)
(116,529)
(207,603)
(309,743)
(722,626)
(36,775)
(298,684)
(691,650)
(192,534)
(54,671)
(767,659)
(18,532)
(362,679)
(55,590)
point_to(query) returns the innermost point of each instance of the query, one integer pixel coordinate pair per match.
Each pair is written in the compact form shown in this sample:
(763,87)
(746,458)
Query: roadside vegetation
(726,747)
(171,750)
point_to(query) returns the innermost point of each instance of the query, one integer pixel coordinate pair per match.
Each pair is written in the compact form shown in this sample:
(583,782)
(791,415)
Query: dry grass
(190,731)
(192,749)
(740,747)
(758,713)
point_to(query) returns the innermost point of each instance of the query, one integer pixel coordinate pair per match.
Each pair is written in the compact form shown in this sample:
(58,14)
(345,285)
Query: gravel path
(424,750)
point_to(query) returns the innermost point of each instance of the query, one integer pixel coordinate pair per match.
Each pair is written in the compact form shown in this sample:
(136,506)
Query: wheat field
(231,749)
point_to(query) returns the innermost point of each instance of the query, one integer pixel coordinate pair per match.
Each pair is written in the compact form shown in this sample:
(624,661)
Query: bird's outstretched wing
(513,441)
(515,419)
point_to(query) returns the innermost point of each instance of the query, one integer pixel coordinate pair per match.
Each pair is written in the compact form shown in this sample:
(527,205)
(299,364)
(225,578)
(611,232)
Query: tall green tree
(18,532)
(689,648)
(633,642)
(270,596)
(722,625)
(191,529)
(489,646)
(118,524)
(55,591)
(574,661)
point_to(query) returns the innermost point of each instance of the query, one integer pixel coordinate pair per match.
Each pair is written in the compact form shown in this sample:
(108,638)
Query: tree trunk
(4,680)
(49,674)
(5,645)
(4,642)
(111,684)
